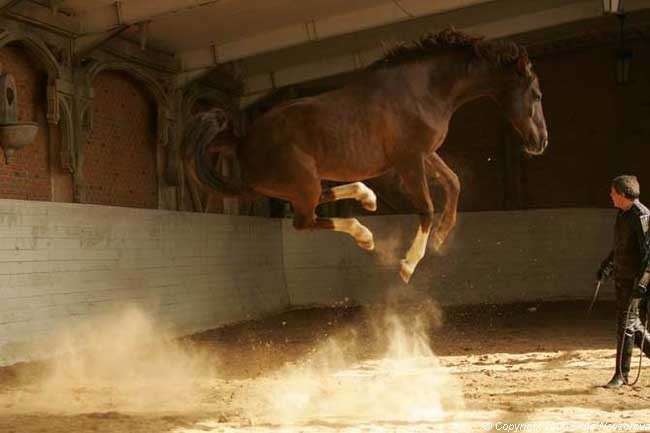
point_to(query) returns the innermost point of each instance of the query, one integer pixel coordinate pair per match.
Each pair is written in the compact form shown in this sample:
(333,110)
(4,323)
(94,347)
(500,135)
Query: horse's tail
(209,133)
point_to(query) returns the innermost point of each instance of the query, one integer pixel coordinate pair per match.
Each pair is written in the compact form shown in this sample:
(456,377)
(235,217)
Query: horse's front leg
(437,170)
(415,183)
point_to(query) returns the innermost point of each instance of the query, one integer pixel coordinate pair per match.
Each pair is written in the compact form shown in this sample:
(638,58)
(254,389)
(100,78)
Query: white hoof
(365,240)
(369,202)
(406,270)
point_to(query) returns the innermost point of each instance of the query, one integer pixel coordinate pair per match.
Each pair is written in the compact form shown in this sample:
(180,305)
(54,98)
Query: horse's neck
(441,85)
(460,85)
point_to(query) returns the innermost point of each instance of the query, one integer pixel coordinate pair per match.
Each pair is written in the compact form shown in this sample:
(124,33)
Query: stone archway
(163,114)
(121,151)
(47,60)
(33,68)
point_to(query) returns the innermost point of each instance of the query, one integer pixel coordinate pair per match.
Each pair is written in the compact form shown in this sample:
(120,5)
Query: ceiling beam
(6,5)
(84,45)
(386,13)
(54,5)
(40,15)
(110,16)
(482,18)
(320,66)
(346,52)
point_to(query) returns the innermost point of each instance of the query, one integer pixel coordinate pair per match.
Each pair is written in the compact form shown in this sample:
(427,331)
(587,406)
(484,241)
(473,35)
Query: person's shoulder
(639,209)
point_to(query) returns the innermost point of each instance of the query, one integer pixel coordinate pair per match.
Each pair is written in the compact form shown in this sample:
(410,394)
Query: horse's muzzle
(537,146)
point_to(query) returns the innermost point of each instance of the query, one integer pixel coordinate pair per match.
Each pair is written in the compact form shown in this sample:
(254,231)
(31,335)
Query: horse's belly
(342,173)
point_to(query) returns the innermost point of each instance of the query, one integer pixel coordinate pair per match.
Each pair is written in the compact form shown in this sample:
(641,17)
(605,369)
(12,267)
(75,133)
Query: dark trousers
(629,327)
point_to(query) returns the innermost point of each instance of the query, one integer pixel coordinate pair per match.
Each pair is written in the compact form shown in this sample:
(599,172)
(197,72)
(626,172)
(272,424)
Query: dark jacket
(629,241)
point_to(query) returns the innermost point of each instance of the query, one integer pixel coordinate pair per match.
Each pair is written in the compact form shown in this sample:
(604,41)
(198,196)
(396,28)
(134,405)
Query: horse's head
(522,102)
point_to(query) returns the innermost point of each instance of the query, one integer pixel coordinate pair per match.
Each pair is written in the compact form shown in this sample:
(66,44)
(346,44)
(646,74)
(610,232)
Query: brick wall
(120,155)
(27,176)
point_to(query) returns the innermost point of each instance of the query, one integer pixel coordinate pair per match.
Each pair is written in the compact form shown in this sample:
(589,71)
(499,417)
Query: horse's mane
(498,53)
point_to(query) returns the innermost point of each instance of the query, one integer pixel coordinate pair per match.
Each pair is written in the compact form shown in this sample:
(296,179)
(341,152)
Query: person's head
(625,189)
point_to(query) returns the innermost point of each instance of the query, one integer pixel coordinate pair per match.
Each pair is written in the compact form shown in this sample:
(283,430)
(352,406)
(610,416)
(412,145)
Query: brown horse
(395,118)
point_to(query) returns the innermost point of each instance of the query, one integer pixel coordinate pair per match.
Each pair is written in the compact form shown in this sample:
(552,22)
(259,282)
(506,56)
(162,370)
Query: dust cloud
(401,381)
(385,372)
(120,363)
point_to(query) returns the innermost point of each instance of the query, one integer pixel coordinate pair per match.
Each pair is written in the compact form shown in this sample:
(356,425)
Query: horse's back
(343,132)
(282,130)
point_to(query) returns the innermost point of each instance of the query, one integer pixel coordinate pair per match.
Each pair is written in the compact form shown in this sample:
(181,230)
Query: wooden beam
(7,5)
(143,28)
(54,6)
(84,45)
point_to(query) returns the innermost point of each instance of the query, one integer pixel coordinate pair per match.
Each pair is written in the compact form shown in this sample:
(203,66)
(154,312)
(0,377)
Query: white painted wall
(61,264)
(495,257)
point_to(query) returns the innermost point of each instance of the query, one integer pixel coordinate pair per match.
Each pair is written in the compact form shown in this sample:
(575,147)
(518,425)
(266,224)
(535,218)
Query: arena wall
(61,264)
(492,257)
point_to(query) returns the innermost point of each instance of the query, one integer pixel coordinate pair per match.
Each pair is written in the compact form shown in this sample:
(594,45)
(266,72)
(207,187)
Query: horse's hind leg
(439,171)
(356,190)
(304,218)
(415,183)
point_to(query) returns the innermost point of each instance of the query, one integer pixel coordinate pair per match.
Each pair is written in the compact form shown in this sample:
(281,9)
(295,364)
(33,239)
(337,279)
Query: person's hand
(638,291)
(641,287)
(605,271)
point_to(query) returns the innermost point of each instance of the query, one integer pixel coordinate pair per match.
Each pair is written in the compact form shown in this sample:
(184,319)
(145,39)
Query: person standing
(625,262)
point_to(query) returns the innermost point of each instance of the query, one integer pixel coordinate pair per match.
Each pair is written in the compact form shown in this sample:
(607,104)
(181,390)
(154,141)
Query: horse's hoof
(406,270)
(369,206)
(367,242)
(369,202)
(367,245)
(364,238)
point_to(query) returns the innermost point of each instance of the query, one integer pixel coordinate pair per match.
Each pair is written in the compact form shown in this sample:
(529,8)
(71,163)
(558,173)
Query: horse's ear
(524,66)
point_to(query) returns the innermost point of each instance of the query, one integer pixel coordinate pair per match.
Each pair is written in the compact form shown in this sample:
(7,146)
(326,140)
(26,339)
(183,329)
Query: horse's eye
(537,97)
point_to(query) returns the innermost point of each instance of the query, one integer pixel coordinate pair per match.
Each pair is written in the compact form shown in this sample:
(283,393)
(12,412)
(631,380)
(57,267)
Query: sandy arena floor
(380,369)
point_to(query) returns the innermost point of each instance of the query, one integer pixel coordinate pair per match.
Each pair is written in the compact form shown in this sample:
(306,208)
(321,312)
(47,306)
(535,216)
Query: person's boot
(643,342)
(617,381)
(623,362)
